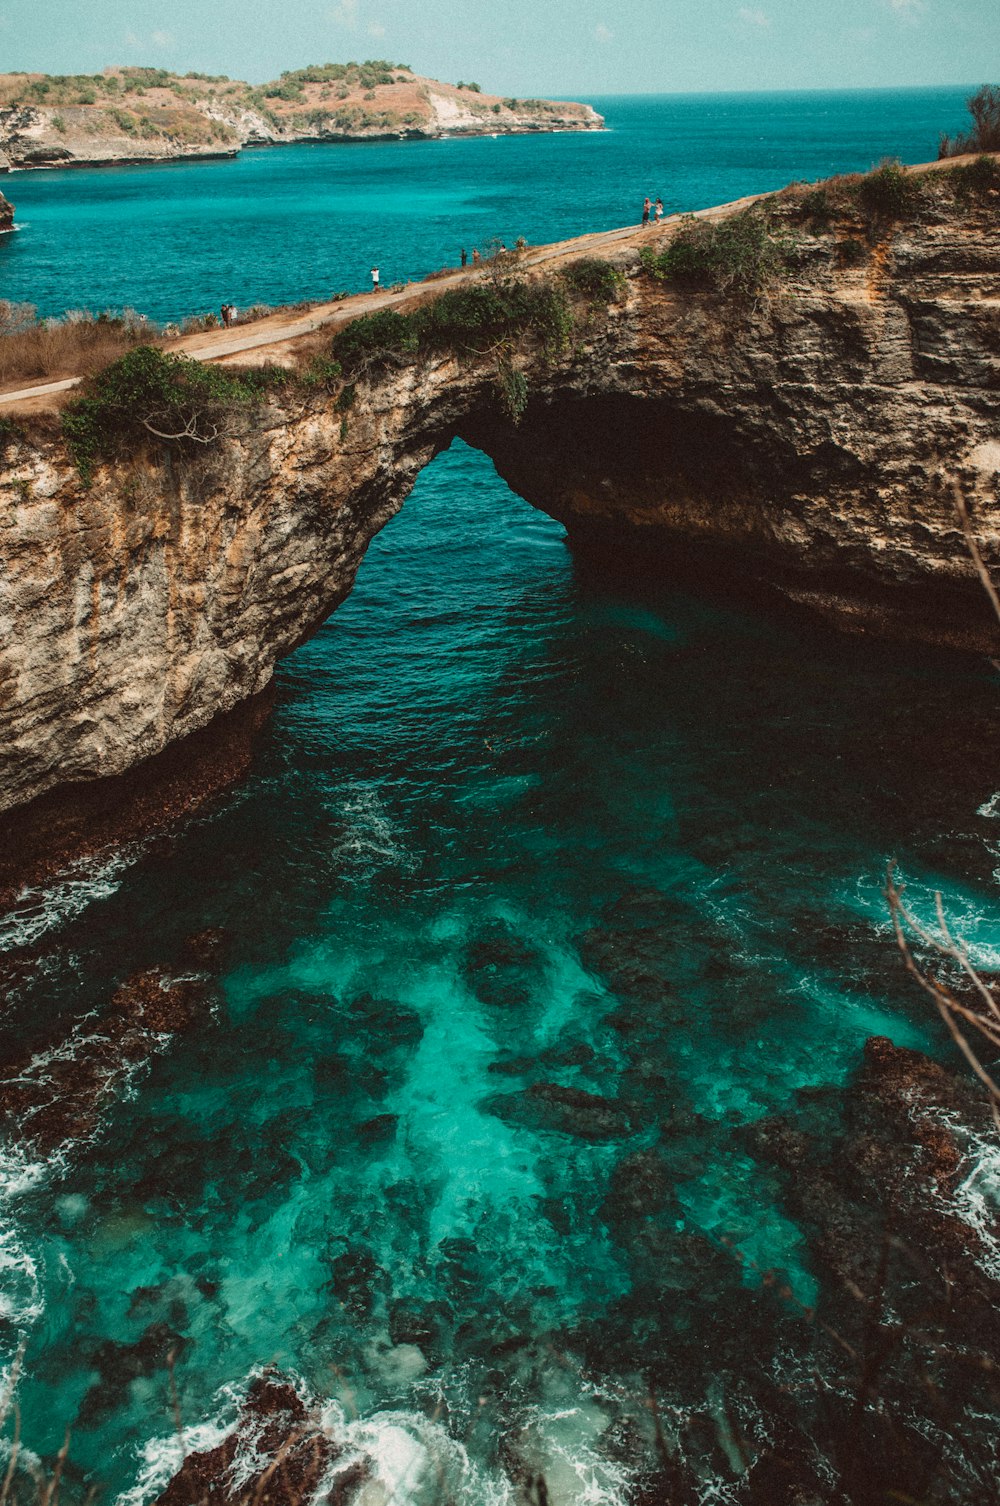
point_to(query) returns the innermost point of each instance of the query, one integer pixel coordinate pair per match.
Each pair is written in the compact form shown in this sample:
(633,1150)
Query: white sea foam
(371,841)
(973,919)
(40,910)
(163,1457)
(411,1460)
(976,1199)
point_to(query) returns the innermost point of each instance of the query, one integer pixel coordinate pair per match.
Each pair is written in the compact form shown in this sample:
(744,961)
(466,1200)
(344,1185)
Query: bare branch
(950,1009)
(973,548)
(190,431)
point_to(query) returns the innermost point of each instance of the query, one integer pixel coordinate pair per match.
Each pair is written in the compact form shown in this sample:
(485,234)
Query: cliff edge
(785,393)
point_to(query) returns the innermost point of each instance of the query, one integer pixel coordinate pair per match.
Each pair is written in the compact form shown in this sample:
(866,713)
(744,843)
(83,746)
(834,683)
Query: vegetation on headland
(742,256)
(83,117)
(150,395)
(736,257)
(984,133)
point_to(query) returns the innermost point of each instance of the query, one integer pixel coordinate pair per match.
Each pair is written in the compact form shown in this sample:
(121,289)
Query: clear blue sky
(567,47)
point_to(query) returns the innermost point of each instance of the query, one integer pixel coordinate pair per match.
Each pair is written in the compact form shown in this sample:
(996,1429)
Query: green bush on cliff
(973,180)
(468,321)
(736,257)
(150,396)
(888,193)
(595,279)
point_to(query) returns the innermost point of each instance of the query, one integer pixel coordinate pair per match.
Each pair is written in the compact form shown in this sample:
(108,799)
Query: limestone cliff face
(810,442)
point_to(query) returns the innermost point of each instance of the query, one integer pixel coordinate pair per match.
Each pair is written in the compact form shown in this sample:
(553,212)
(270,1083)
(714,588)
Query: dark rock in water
(425,1324)
(356,1280)
(502,968)
(577,1055)
(558,1213)
(459,1268)
(332,1072)
(640,1189)
(204,948)
(586,1115)
(568,1111)
(6,213)
(57,1097)
(118,1365)
(290,1455)
(392,1023)
(379,1130)
(873,1189)
(512,1066)
(345,1487)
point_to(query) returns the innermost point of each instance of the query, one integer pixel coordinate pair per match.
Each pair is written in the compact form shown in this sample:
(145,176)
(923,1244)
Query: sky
(569,48)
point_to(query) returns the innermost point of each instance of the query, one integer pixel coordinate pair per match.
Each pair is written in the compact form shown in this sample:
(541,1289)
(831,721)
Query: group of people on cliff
(651,210)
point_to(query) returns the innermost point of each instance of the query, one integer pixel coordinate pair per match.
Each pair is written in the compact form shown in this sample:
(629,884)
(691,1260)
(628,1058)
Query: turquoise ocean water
(513,835)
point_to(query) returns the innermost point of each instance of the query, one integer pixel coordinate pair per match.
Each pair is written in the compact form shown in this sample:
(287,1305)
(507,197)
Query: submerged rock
(502,967)
(568,1111)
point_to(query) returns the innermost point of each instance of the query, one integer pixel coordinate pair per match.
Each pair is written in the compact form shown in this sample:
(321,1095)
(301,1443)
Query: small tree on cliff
(984,107)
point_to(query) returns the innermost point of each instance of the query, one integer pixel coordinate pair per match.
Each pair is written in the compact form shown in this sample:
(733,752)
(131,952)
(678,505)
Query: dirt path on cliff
(279,330)
(273,336)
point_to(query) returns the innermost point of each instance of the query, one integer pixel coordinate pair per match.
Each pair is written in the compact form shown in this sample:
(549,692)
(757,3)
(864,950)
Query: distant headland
(149,115)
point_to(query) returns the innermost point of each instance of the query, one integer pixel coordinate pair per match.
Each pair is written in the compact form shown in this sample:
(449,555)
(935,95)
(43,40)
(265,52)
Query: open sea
(513,835)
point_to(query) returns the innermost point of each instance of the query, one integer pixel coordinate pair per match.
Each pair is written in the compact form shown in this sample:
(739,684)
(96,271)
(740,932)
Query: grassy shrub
(887,194)
(595,279)
(736,257)
(374,339)
(467,320)
(816,209)
(975,179)
(74,346)
(148,395)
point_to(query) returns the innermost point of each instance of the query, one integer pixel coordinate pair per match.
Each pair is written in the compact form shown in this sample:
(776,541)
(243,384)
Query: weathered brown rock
(291,1453)
(56,1097)
(809,442)
(6,214)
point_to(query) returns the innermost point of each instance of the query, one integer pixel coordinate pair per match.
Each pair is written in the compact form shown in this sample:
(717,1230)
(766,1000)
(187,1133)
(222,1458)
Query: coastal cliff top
(146,113)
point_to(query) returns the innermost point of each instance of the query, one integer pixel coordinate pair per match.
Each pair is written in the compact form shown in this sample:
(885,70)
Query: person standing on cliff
(464,257)
(646,206)
(658,212)
(374,279)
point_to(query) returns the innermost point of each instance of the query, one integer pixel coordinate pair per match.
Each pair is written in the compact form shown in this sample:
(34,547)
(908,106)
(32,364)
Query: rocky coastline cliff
(6,214)
(150,115)
(806,436)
